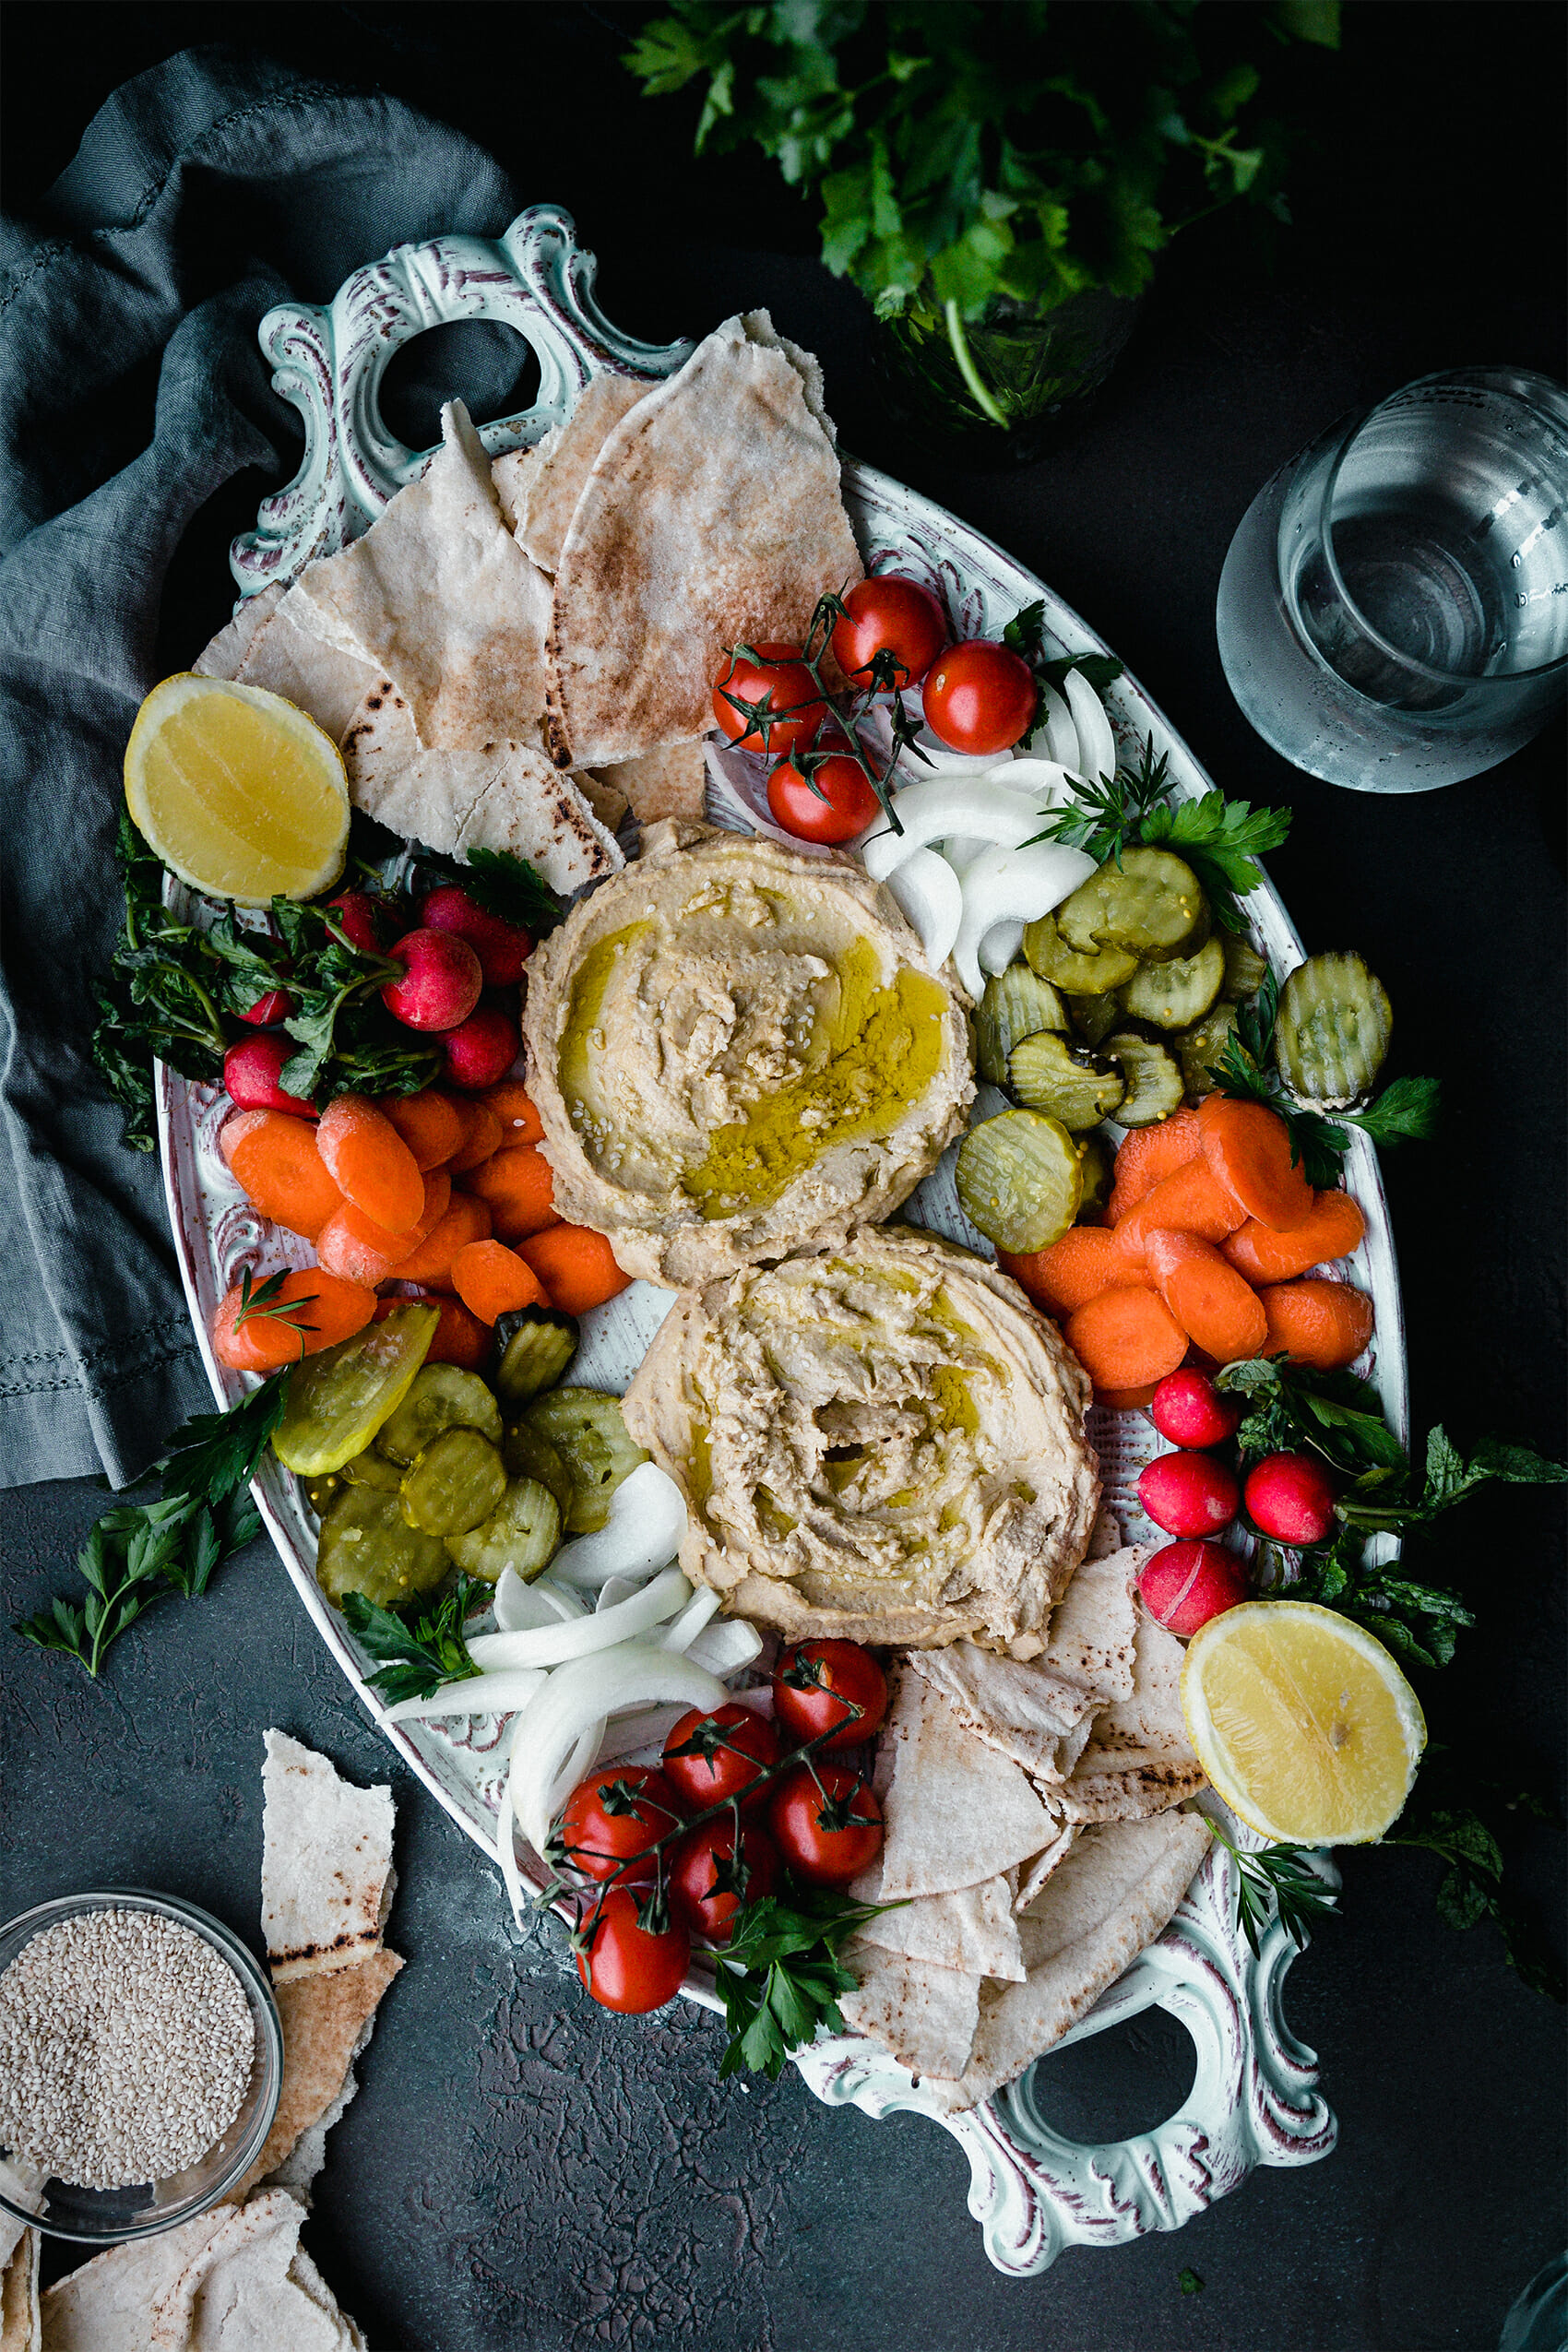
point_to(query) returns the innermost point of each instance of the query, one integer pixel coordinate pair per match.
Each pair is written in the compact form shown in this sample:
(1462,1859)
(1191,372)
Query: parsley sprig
(1407,1111)
(419,1660)
(780,1975)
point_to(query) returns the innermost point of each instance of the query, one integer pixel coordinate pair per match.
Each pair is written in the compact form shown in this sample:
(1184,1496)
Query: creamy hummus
(878,1439)
(735,1049)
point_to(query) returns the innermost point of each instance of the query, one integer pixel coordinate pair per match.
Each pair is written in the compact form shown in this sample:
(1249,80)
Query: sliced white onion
(478,1694)
(573,1702)
(950,805)
(520,1606)
(941,759)
(1009,885)
(647,1519)
(961,850)
(554,1644)
(724,1648)
(638,1727)
(1096,744)
(999,945)
(1060,735)
(616,1589)
(678,1638)
(928,890)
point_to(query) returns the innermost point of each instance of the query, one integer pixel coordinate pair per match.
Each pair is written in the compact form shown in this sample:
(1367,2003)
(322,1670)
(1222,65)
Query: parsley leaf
(1406,1110)
(422,1658)
(780,1976)
(1444,1818)
(1221,840)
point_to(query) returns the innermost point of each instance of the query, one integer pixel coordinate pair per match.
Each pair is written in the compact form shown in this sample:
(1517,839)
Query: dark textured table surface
(520,2168)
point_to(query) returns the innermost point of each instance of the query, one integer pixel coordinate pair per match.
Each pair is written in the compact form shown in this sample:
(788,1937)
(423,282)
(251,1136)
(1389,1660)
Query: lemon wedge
(239,793)
(1302,1721)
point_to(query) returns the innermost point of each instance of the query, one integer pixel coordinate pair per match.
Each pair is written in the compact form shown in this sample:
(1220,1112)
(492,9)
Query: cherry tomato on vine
(817,1683)
(613,1817)
(889,616)
(730,1747)
(842,803)
(702,1891)
(980,697)
(626,1967)
(828,1834)
(777,682)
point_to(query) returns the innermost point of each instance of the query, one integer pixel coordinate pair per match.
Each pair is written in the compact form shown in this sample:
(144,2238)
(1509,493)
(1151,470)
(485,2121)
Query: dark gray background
(520,2168)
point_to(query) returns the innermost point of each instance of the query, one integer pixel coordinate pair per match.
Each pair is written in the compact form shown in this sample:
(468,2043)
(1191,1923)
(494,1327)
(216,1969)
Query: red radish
(502,948)
(1291,1497)
(356,912)
(251,1072)
(1189,1495)
(1189,1410)
(443,981)
(481,1049)
(276,1005)
(1186,1583)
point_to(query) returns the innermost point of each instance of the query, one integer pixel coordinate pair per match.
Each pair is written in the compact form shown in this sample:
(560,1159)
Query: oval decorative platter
(1253,2099)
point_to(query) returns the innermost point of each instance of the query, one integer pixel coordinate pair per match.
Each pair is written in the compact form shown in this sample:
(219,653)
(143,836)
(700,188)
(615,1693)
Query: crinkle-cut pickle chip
(443,1396)
(1302,1721)
(239,793)
(367,1547)
(1333,1031)
(340,1399)
(455,1484)
(1020,1180)
(522,1534)
(1146,900)
(587,1429)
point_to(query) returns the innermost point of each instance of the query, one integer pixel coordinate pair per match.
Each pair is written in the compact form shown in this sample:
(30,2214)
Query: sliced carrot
(1247,1147)
(460,1338)
(482,1137)
(370,1163)
(1320,1323)
(1084,1263)
(354,1245)
(520,1189)
(273,1158)
(1149,1154)
(576,1266)
(1126,1401)
(1190,1200)
(465,1220)
(1333,1228)
(513,1105)
(328,1310)
(1125,1339)
(491,1280)
(429,1123)
(1219,1312)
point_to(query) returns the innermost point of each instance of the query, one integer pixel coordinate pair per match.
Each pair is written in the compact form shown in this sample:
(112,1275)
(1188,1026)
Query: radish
(251,1072)
(1186,1583)
(1187,1409)
(1290,1497)
(1189,1495)
(502,949)
(276,1005)
(356,913)
(481,1049)
(442,982)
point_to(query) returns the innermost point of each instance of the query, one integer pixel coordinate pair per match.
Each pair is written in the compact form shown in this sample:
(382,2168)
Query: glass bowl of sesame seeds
(141,2058)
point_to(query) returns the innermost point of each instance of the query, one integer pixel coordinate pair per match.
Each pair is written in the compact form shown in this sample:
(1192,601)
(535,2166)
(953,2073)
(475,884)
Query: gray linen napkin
(131,392)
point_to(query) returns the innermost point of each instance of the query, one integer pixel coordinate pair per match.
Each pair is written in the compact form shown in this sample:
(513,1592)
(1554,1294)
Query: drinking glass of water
(1393,611)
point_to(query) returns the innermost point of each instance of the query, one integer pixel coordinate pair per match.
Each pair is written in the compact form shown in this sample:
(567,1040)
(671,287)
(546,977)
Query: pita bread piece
(671,782)
(712,515)
(316,677)
(325,1863)
(239,2293)
(925,2015)
(513,472)
(957,1812)
(551,497)
(225,653)
(325,2020)
(971,1930)
(20,2324)
(1114,1894)
(440,597)
(1033,1874)
(1138,1759)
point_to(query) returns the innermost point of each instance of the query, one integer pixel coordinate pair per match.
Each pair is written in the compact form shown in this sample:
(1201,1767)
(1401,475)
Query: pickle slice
(1094,973)
(588,1431)
(442,1397)
(1200,1049)
(1333,1031)
(533,1348)
(1094,1018)
(521,1532)
(1049,1074)
(1176,994)
(368,1547)
(455,1484)
(371,1468)
(1020,1180)
(340,1399)
(1245,969)
(1017,1004)
(1150,903)
(321,1493)
(1154,1080)
(1097,1162)
(528,1453)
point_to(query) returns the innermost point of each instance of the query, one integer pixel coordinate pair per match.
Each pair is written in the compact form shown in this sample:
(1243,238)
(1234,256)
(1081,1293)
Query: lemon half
(239,794)
(1302,1721)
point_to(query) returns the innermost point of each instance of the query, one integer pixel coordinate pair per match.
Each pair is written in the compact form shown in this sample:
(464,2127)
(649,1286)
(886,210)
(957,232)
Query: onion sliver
(1047,781)
(941,759)
(999,945)
(575,1700)
(1060,735)
(1096,744)
(647,1519)
(1010,885)
(554,1644)
(931,812)
(679,1637)
(515,1686)
(520,1606)
(929,893)
(724,1648)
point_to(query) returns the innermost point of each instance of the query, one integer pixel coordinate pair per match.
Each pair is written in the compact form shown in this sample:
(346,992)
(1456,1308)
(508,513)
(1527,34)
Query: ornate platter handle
(329,362)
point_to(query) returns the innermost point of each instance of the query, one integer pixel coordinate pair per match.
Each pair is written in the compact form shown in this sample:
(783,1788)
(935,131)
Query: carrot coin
(1247,1147)
(370,1163)
(520,1189)
(492,1280)
(576,1266)
(1332,1227)
(1218,1310)
(1317,1322)
(273,1158)
(1125,1339)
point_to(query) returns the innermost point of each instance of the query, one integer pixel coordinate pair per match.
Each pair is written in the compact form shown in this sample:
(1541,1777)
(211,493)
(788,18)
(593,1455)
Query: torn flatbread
(108,2304)
(222,657)
(671,782)
(1114,1894)
(1033,1874)
(512,473)
(672,557)
(552,497)
(957,1811)
(1138,1759)
(325,1863)
(316,677)
(972,1928)
(324,2020)
(241,2292)
(20,2325)
(925,2015)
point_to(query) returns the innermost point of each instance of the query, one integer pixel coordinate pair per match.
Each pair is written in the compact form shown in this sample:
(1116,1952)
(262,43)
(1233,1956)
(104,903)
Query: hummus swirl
(735,1049)
(880,1439)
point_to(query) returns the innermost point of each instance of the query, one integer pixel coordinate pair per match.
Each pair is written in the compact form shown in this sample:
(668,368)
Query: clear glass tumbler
(1393,613)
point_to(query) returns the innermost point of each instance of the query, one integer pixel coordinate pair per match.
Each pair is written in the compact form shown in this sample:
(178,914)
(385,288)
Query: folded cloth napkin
(132,390)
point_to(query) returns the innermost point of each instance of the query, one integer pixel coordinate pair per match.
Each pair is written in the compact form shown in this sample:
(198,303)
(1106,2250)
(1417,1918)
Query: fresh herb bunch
(1277,1882)
(1405,1111)
(138,1550)
(421,1658)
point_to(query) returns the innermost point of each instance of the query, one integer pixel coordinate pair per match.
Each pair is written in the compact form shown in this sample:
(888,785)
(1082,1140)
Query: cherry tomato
(980,697)
(738,1744)
(834,804)
(703,1895)
(614,1816)
(626,1967)
(778,681)
(817,1683)
(826,1839)
(889,616)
